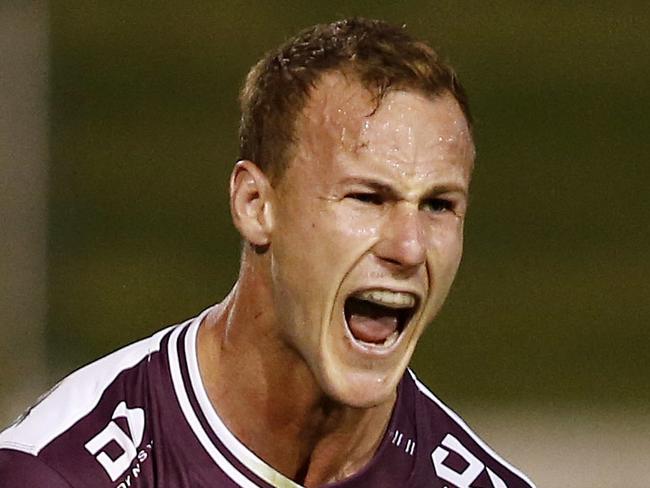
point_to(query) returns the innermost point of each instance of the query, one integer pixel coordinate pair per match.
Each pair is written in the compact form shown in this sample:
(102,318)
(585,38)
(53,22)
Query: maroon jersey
(140,417)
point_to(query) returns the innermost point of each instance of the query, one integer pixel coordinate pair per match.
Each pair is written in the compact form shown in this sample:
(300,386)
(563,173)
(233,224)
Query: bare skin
(294,428)
(368,202)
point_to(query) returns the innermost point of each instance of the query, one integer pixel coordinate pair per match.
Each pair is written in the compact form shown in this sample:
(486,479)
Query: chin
(362,388)
(362,374)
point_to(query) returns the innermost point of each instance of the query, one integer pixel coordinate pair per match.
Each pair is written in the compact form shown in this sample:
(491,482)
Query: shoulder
(18,470)
(457,453)
(75,397)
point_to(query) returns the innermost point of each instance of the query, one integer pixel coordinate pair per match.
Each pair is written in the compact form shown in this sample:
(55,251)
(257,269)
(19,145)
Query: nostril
(392,261)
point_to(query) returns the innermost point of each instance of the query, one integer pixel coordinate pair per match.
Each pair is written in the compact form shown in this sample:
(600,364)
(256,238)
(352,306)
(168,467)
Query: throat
(277,409)
(346,449)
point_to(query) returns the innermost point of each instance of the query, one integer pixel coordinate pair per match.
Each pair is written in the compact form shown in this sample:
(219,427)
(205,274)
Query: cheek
(320,240)
(351,231)
(445,242)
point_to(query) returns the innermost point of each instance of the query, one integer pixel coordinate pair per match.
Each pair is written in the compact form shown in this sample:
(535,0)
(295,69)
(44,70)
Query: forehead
(343,126)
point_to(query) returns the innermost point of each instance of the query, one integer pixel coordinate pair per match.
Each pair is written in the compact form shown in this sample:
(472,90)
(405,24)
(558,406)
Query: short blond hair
(381,56)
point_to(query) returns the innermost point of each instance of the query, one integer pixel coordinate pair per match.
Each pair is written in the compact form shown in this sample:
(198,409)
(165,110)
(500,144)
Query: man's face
(368,230)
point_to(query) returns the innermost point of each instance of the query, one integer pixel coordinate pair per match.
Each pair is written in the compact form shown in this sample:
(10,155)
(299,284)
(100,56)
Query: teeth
(387,298)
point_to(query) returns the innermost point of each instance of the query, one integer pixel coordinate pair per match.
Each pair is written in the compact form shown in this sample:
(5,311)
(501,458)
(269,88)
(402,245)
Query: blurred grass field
(552,300)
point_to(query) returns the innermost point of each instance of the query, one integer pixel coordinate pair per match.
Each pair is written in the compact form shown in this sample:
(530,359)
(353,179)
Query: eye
(372,198)
(437,205)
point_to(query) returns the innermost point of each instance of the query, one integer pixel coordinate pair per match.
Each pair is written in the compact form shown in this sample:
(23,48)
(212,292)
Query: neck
(269,399)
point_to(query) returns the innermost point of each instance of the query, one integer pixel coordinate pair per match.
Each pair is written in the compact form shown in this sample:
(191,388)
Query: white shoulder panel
(454,416)
(74,397)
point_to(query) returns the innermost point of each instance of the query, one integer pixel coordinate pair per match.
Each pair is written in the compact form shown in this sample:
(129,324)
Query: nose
(402,241)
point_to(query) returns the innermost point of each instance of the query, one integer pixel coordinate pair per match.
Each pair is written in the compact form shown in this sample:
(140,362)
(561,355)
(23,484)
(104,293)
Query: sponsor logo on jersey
(471,472)
(128,442)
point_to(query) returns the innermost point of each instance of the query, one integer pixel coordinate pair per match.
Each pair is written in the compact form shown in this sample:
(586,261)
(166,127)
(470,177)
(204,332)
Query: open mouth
(378,317)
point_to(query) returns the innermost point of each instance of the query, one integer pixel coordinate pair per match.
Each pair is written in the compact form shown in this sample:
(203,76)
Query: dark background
(551,303)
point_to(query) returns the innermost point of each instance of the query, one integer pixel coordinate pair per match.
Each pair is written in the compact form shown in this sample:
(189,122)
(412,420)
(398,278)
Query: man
(350,196)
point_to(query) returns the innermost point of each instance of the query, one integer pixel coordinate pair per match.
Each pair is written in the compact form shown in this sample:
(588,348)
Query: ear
(250,203)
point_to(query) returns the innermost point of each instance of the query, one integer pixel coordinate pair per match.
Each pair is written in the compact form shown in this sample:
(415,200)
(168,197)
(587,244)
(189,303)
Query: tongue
(375,329)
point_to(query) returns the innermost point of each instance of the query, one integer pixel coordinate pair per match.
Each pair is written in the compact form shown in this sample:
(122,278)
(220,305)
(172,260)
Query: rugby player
(356,154)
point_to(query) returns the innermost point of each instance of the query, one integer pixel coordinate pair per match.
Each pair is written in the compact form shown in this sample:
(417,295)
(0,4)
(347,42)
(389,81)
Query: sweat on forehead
(341,111)
(337,105)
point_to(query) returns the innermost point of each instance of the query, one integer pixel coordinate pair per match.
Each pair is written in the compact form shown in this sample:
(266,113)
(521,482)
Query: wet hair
(379,55)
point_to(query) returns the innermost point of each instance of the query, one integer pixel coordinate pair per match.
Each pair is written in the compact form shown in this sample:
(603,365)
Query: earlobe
(250,203)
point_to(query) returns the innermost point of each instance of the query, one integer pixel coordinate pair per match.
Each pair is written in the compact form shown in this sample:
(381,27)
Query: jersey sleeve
(18,469)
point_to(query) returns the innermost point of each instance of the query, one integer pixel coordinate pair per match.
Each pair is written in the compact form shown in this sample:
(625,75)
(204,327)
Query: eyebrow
(387,189)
